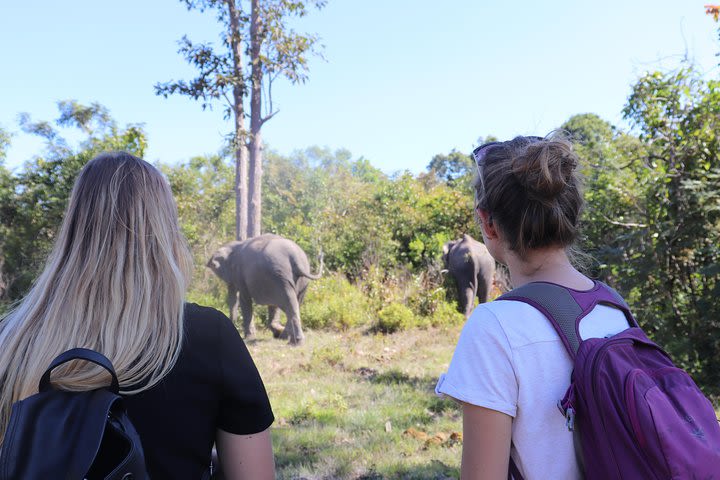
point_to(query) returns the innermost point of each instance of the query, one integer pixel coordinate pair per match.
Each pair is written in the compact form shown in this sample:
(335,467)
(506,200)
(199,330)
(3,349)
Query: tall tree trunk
(255,184)
(241,153)
(241,179)
(256,121)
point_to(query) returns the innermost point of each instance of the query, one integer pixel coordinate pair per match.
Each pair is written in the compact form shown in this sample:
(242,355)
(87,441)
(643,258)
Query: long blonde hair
(114,282)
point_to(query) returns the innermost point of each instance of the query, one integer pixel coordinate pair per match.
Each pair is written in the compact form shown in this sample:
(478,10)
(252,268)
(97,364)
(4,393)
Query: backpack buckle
(570,418)
(567,411)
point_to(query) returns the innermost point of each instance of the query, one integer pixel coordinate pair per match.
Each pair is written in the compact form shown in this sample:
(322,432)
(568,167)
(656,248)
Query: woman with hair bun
(510,366)
(115,282)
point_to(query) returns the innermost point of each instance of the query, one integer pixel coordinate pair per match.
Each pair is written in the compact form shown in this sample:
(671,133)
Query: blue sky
(402,80)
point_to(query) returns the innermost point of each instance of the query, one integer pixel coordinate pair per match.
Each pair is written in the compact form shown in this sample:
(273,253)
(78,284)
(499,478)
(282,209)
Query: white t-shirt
(510,359)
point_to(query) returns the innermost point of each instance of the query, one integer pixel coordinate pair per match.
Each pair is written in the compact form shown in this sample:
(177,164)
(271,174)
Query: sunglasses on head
(481,152)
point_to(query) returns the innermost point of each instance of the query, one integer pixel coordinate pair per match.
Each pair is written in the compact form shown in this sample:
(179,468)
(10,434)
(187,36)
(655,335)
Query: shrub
(446,315)
(395,317)
(384,286)
(424,302)
(332,303)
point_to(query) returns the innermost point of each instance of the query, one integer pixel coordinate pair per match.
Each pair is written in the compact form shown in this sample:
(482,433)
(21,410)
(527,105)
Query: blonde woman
(115,282)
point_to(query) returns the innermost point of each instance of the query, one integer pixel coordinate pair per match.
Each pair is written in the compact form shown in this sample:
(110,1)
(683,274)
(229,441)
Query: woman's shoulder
(517,322)
(503,314)
(195,312)
(206,325)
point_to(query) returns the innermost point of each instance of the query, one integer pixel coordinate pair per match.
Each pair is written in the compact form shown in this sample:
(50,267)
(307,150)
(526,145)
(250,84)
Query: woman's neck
(546,265)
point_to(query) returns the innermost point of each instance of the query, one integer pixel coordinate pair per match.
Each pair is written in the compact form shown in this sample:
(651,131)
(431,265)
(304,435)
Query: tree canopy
(32,202)
(258,47)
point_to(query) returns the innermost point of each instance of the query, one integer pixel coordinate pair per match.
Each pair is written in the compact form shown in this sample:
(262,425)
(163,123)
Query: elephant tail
(309,275)
(302,269)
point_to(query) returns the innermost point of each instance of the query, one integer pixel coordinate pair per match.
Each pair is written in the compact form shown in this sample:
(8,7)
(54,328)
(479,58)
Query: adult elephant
(268,270)
(473,269)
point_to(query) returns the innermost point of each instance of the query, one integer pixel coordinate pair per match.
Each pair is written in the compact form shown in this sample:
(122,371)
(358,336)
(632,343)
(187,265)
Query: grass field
(361,406)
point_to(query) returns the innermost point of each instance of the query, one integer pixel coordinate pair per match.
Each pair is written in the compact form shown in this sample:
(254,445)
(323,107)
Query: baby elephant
(268,270)
(473,269)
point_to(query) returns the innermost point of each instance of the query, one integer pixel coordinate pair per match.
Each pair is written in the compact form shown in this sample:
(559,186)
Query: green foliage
(611,190)
(419,215)
(395,317)
(383,286)
(7,198)
(426,296)
(354,217)
(653,212)
(259,44)
(279,51)
(674,251)
(212,298)
(203,192)
(651,223)
(318,198)
(332,303)
(454,168)
(4,144)
(446,315)
(33,201)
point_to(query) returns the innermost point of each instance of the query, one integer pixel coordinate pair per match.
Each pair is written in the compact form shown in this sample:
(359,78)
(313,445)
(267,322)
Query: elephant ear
(446,251)
(218,259)
(214,264)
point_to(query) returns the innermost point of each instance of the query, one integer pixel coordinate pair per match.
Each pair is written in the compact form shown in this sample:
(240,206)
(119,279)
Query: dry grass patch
(344,403)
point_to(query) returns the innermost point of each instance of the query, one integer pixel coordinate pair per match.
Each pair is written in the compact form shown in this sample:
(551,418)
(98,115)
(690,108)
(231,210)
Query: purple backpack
(633,413)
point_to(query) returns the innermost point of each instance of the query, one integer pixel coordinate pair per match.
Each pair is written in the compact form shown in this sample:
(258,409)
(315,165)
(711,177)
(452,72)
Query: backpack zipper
(632,408)
(567,404)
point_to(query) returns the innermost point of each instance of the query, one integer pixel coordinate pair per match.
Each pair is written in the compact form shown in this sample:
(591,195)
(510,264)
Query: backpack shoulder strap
(565,307)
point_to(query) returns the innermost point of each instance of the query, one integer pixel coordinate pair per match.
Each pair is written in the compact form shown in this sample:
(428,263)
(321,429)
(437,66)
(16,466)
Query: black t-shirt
(214,384)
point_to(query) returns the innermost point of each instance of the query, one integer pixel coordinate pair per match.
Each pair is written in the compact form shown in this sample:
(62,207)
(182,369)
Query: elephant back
(465,251)
(270,253)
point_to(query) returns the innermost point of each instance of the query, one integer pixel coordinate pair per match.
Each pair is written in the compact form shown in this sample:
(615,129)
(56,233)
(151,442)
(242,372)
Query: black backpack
(72,435)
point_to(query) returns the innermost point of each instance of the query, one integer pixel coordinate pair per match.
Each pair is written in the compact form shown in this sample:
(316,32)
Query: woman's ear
(486,223)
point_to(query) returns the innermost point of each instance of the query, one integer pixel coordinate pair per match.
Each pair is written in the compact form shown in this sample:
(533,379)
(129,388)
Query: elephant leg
(484,289)
(467,298)
(274,321)
(292,312)
(301,287)
(247,313)
(297,337)
(232,300)
(287,333)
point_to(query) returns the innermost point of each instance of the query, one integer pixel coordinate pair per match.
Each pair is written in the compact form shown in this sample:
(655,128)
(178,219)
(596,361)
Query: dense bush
(332,303)
(445,315)
(395,317)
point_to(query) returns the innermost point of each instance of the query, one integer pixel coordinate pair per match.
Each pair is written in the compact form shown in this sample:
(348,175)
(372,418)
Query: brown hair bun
(532,189)
(545,168)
